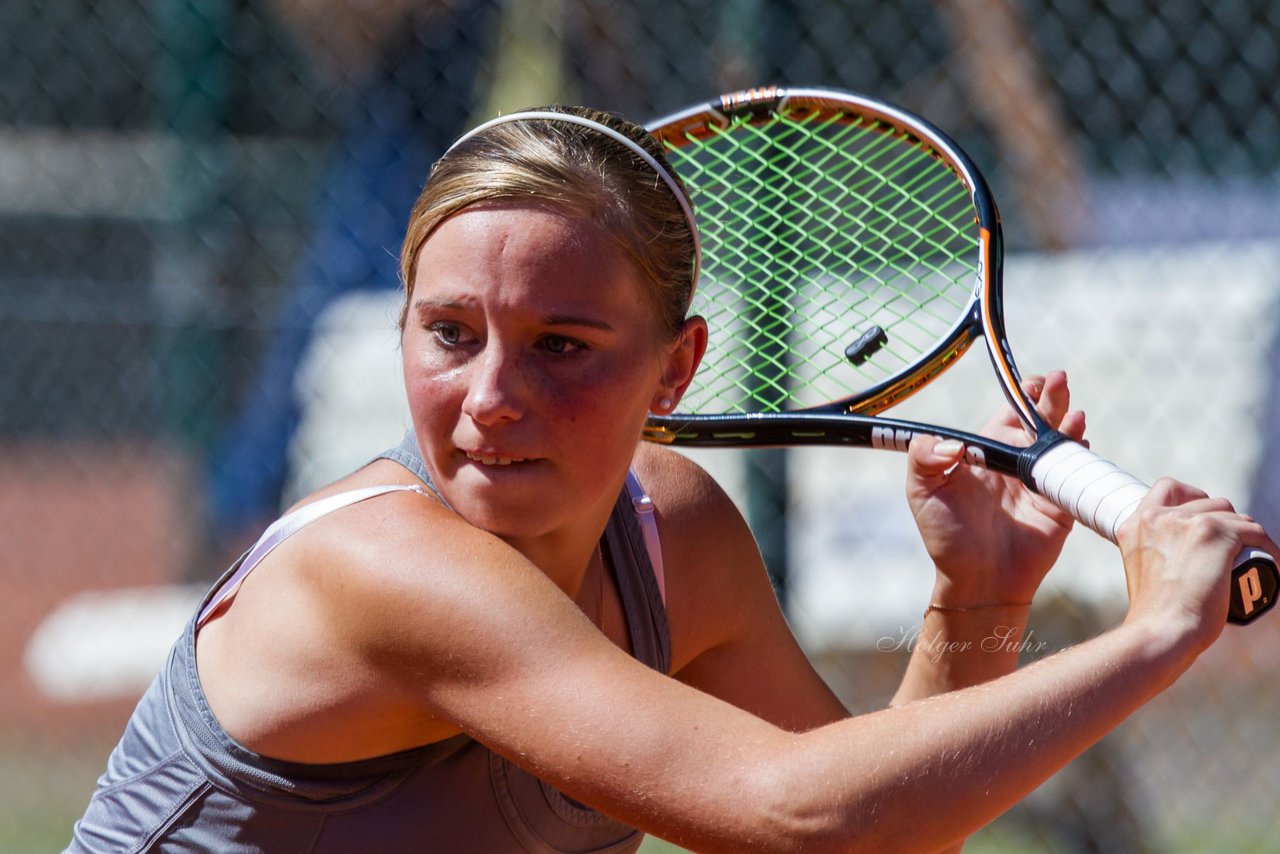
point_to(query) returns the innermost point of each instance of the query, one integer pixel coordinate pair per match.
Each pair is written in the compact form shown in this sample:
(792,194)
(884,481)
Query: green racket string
(817,227)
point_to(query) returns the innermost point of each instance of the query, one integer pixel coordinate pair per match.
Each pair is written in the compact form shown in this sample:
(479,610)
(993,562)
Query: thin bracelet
(934,606)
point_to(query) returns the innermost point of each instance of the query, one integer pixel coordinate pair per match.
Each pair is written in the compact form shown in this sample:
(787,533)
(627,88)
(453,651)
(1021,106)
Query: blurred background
(201,203)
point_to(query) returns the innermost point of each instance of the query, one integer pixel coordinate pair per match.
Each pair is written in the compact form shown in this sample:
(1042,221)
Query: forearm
(923,776)
(918,777)
(961,648)
(690,768)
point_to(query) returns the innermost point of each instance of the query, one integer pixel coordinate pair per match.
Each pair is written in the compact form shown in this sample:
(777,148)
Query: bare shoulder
(416,565)
(681,489)
(729,637)
(698,522)
(380,472)
(411,562)
(384,625)
(716,583)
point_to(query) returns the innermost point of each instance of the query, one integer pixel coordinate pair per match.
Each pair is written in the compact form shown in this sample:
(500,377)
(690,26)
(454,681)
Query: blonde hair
(579,171)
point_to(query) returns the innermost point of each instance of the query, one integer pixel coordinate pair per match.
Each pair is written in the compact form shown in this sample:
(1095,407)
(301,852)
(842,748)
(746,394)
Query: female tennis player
(523,630)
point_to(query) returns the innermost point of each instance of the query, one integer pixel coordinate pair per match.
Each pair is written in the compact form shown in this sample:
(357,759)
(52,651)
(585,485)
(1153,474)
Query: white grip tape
(1088,487)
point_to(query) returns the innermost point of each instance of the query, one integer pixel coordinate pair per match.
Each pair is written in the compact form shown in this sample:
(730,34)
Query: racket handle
(1102,496)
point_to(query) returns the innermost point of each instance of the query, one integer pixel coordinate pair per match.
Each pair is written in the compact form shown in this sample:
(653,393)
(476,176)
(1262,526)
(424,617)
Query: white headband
(625,140)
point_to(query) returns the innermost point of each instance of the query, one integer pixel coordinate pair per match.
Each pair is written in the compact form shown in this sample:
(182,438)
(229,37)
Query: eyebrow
(574,320)
(421,304)
(426,303)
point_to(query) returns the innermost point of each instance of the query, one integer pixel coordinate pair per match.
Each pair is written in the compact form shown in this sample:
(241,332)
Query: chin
(504,510)
(507,523)
(526,505)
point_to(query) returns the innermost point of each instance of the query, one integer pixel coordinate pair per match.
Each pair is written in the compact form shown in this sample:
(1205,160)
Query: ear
(681,361)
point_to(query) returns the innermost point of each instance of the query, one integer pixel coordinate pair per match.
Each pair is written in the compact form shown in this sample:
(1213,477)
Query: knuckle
(1204,527)
(1150,517)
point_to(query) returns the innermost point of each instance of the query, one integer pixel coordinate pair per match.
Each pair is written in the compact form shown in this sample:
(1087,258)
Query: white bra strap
(649,528)
(286,526)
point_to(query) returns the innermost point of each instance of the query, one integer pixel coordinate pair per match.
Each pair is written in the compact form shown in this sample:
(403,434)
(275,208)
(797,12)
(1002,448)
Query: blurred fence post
(756,38)
(192,82)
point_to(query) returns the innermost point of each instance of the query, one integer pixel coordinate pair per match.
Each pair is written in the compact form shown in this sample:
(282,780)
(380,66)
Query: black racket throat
(798,429)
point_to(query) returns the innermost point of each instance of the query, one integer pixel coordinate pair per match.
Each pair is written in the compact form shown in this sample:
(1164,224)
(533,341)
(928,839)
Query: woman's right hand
(1179,549)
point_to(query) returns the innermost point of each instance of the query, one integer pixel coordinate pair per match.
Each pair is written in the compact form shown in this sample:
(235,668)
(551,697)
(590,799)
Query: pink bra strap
(649,528)
(288,525)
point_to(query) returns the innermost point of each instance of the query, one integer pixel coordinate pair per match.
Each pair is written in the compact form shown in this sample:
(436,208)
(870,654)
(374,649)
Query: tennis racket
(851,253)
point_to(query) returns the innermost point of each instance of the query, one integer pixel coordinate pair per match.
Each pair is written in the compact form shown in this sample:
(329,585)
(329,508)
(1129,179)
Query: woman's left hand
(991,538)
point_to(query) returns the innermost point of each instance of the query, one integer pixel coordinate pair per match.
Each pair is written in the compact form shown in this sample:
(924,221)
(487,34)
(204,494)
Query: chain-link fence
(201,204)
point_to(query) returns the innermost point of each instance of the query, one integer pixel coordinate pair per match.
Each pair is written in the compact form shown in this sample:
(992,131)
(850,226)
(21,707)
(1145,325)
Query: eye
(449,334)
(559,344)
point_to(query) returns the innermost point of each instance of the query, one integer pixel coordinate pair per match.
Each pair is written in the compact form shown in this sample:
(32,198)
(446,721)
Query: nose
(493,389)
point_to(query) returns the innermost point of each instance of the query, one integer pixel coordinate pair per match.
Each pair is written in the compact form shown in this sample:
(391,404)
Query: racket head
(851,253)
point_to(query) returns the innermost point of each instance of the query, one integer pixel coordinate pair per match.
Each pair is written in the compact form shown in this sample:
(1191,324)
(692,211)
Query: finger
(1033,386)
(1168,492)
(1171,502)
(1006,418)
(1260,540)
(1073,425)
(1055,398)
(1216,505)
(930,459)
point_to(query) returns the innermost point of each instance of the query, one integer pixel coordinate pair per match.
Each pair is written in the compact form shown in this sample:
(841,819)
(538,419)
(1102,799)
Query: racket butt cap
(1254,583)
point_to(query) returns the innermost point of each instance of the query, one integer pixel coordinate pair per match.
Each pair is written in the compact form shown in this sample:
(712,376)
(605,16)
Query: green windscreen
(820,230)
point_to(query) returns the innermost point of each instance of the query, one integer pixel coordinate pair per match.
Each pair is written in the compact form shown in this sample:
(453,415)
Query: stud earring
(665,404)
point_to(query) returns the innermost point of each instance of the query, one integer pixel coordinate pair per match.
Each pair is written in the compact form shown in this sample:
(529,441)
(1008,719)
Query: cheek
(429,390)
(607,407)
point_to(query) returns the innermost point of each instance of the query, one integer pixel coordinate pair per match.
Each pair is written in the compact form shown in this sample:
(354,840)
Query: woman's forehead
(515,248)
(527,233)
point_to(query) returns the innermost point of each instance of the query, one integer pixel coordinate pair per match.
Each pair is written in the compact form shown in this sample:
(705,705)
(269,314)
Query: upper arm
(729,635)
(477,636)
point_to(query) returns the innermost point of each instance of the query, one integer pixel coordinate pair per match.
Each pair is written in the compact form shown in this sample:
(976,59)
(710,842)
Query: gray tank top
(178,782)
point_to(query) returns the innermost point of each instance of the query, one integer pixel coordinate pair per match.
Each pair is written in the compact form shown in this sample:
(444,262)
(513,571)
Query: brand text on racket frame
(897,439)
